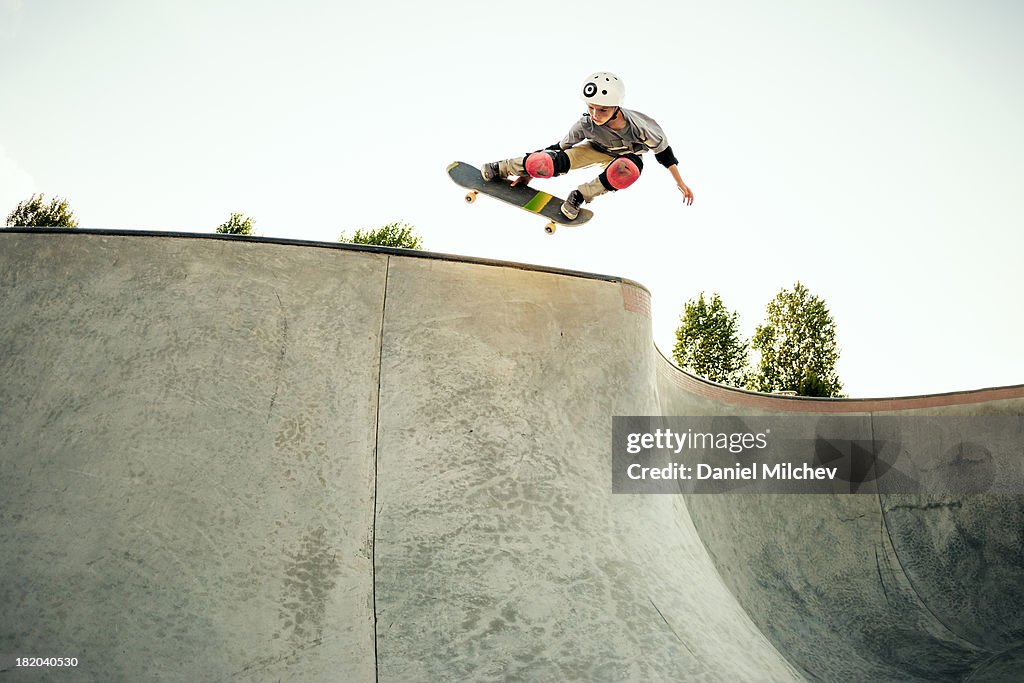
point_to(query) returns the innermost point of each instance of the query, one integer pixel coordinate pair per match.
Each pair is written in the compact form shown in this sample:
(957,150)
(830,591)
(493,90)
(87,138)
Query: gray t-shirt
(642,133)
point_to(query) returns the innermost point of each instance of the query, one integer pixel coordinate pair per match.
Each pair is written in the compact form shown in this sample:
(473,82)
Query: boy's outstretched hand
(687,193)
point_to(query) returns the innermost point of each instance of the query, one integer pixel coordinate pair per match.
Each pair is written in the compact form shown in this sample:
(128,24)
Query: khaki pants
(580,156)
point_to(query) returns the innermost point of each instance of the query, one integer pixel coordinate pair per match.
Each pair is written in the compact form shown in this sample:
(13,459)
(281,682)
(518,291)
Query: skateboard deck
(523,196)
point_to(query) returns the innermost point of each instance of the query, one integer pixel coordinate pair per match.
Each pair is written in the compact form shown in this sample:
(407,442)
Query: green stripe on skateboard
(538,203)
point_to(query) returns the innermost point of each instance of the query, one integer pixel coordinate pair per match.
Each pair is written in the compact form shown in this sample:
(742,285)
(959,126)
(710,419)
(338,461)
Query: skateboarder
(607,135)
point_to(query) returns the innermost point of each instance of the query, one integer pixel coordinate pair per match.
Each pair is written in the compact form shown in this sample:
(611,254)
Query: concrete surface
(231,459)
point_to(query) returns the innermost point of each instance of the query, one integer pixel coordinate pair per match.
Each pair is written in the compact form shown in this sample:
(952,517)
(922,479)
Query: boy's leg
(503,169)
(618,174)
(546,163)
(543,164)
(585,155)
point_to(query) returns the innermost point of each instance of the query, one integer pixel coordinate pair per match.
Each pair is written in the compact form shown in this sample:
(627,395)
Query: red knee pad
(622,173)
(540,165)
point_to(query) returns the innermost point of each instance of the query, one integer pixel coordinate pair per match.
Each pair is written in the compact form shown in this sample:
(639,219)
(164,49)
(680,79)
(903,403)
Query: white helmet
(604,89)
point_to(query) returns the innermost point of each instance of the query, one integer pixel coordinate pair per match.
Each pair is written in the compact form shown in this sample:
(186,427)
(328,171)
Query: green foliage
(35,213)
(708,342)
(237,225)
(398,234)
(797,344)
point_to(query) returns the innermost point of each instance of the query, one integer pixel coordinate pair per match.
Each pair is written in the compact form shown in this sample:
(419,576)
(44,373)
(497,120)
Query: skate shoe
(571,206)
(491,171)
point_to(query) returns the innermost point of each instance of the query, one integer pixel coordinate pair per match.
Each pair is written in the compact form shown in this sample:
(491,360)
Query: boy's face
(601,115)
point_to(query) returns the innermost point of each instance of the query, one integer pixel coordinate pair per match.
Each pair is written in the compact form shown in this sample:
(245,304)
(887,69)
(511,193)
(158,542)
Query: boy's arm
(575,136)
(687,192)
(667,159)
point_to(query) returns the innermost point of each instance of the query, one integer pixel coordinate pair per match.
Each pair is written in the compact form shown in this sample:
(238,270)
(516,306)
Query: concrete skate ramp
(246,459)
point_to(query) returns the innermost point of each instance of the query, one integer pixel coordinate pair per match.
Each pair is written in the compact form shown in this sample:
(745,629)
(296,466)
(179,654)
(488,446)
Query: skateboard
(518,194)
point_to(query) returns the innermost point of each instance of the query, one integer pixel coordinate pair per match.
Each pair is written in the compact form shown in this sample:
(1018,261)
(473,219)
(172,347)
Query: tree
(708,342)
(797,344)
(237,225)
(35,213)
(397,234)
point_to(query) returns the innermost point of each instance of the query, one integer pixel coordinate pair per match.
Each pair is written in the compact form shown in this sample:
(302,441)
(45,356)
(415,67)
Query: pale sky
(872,150)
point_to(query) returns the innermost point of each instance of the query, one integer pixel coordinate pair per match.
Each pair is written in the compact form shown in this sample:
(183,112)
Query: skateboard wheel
(470,197)
(550,228)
